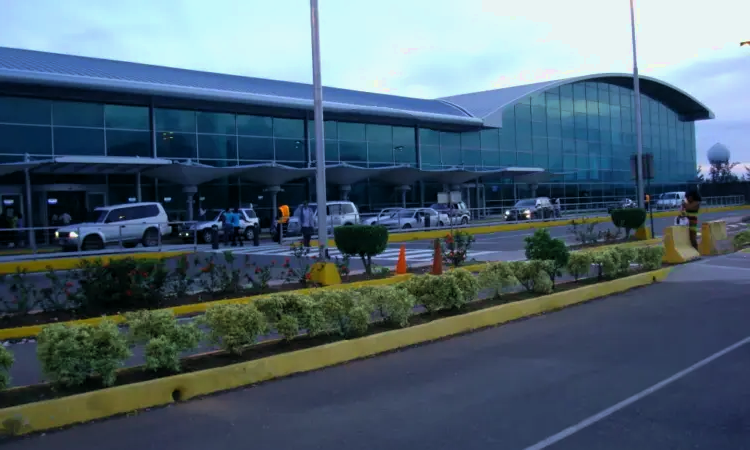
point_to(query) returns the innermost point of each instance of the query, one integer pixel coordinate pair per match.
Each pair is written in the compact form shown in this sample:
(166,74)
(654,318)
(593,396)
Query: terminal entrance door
(57,202)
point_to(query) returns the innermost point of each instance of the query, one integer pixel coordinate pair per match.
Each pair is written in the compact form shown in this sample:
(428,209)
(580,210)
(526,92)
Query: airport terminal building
(90,132)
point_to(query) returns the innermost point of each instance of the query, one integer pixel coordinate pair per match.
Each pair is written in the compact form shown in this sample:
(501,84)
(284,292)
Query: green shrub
(532,275)
(623,256)
(542,247)
(741,239)
(344,311)
(579,264)
(606,263)
(395,304)
(649,258)
(497,276)
(467,284)
(234,326)
(364,241)
(436,292)
(162,334)
(69,355)
(289,313)
(455,247)
(629,219)
(6,362)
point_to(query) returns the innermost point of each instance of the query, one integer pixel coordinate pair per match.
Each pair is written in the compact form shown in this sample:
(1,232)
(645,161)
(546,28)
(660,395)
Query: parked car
(383,215)
(414,218)
(338,213)
(249,224)
(531,209)
(622,204)
(129,224)
(670,200)
(457,212)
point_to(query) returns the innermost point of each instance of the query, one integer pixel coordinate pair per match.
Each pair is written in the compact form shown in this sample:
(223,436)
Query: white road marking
(390,254)
(555,438)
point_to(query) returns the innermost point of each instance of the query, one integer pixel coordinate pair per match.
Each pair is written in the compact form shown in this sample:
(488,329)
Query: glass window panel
(403,136)
(129,143)
(290,149)
(579,91)
(541,160)
(332,151)
(349,131)
(288,128)
(20,139)
(78,114)
(508,158)
(379,152)
(217,147)
(591,93)
(79,141)
(580,106)
(450,139)
(538,129)
(566,90)
(582,147)
(508,139)
(554,145)
(490,139)
(524,159)
(353,151)
(539,144)
(582,162)
(405,154)
(379,133)
(523,112)
(256,148)
(567,104)
(569,145)
(490,158)
(470,139)
(176,145)
(592,107)
(25,110)
(606,163)
(538,100)
(127,117)
(429,137)
(174,120)
(430,155)
(538,114)
(472,158)
(553,101)
(554,129)
(555,161)
(523,142)
(569,162)
(451,156)
(216,123)
(254,126)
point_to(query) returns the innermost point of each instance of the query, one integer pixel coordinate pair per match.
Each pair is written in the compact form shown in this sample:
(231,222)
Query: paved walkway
(663,367)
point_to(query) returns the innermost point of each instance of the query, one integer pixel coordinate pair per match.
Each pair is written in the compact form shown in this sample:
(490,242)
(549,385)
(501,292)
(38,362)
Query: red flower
(67,293)
(308,276)
(144,274)
(286,260)
(69,284)
(314,257)
(291,272)
(273,262)
(129,293)
(257,270)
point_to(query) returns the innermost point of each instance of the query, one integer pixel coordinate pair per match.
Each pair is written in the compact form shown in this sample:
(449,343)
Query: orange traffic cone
(437,262)
(401,264)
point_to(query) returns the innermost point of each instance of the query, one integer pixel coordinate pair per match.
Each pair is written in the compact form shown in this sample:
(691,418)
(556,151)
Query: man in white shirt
(306,221)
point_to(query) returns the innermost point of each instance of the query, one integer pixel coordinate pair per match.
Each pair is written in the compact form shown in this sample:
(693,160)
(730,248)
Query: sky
(418,48)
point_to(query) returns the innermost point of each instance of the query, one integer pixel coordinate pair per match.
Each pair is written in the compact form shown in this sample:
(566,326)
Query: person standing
(692,206)
(237,238)
(226,226)
(305,217)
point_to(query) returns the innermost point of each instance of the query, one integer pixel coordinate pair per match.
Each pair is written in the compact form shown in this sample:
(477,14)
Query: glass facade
(584,133)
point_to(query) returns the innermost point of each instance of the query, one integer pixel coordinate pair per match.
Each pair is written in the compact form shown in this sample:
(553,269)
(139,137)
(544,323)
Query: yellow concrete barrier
(714,239)
(42,265)
(677,247)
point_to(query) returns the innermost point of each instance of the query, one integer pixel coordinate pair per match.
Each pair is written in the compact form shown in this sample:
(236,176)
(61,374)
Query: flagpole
(638,132)
(320,153)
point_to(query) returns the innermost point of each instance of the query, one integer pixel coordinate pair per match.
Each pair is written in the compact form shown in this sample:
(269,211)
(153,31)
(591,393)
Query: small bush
(579,264)
(235,326)
(395,304)
(436,292)
(542,247)
(623,256)
(497,276)
(532,275)
(6,362)
(741,239)
(345,311)
(629,219)
(585,231)
(364,241)
(455,247)
(606,263)
(162,334)
(650,258)
(69,355)
(289,313)
(467,283)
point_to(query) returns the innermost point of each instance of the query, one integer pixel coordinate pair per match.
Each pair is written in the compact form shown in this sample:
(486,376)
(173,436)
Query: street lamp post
(638,133)
(320,153)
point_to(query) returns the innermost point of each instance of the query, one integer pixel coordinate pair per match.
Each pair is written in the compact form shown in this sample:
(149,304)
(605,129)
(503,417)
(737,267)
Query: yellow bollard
(677,247)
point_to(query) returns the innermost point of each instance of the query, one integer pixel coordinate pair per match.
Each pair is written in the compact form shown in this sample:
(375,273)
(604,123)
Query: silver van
(338,213)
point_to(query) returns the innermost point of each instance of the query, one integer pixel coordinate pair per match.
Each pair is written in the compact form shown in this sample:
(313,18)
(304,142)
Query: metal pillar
(478,203)
(274,191)
(403,189)
(29,222)
(639,137)
(138,187)
(190,192)
(320,151)
(345,189)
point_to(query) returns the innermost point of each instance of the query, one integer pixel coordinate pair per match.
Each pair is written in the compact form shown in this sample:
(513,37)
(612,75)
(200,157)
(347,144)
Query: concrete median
(714,239)
(677,247)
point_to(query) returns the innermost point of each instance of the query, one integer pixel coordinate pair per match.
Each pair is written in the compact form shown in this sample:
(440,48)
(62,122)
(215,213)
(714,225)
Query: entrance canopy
(346,174)
(99,165)
(272,174)
(9,168)
(192,174)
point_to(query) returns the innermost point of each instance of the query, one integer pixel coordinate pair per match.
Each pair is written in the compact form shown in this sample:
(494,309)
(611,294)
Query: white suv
(248,223)
(338,213)
(130,223)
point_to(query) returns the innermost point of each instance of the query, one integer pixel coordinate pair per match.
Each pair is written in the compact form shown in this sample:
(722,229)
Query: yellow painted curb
(41,265)
(195,308)
(104,403)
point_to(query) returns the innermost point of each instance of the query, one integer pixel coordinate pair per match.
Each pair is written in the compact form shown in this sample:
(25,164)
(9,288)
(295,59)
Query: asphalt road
(619,373)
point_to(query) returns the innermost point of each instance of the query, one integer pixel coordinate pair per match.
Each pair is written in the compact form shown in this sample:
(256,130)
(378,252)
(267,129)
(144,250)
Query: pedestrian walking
(238,235)
(226,226)
(691,206)
(306,220)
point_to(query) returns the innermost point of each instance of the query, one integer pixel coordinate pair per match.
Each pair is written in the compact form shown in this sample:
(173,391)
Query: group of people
(12,220)
(231,226)
(689,212)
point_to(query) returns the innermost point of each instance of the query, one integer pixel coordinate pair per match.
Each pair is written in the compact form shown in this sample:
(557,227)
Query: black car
(622,204)
(530,209)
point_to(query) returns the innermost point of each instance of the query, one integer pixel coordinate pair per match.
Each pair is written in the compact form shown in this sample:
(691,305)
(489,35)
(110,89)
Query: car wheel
(441,224)
(406,226)
(92,243)
(249,233)
(464,221)
(207,236)
(129,244)
(150,238)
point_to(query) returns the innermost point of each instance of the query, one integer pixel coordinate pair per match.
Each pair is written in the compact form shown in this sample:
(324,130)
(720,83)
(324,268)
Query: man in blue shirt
(236,228)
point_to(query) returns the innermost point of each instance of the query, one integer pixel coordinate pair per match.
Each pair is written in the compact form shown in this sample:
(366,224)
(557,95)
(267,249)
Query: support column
(190,192)
(403,189)
(478,203)
(274,192)
(533,187)
(466,197)
(138,187)
(344,190)
(29,222)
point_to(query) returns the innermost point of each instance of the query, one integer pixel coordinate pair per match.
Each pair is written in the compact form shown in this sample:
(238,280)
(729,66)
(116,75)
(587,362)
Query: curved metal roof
(24,66)
(489,105)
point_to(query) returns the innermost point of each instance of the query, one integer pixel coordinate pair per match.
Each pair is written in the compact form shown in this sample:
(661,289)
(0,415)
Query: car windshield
(525,203)
(250,213)
(405,213)
(97,216)
(214,214)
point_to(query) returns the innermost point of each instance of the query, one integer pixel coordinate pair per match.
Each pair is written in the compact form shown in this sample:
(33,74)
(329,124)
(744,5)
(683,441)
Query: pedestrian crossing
(390,254)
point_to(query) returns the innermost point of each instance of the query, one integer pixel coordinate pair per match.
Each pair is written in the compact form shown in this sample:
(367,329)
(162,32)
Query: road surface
(662,367)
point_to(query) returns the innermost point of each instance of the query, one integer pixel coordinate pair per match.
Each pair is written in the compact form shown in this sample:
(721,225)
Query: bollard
(214,238)
(256,236)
